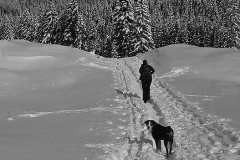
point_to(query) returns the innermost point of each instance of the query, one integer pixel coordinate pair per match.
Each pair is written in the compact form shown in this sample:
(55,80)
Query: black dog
(159,133)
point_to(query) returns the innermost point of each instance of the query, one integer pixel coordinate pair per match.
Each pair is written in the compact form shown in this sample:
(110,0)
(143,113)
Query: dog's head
(169,132)
(169,129)
(150,124)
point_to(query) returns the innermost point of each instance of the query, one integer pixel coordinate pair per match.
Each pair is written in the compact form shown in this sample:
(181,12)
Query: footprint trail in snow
(197,135)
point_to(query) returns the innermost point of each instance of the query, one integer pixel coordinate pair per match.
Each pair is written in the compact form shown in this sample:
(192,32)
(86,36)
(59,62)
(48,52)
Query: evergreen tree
(157,24)
(180,34)
(235,17)
(158,33)
(200,36)
(205,25)
(15,24)
(197,38)
(104,31)
(172,25)
(192,34)
(182,31)
(91,36)
(82,32)
(34,24)
(123,22)
(105,49)
(27,27)
(144,40)
(237,30)
(69,26)
(209,32)
(48,23)
(227,30)
(222,38)
(40,25)
(7,28)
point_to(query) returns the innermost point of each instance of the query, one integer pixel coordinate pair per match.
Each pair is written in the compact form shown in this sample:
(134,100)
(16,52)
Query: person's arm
(141,70)
(152,69)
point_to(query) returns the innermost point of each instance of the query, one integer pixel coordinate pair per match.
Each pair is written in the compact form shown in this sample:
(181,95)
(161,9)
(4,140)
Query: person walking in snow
(146,72)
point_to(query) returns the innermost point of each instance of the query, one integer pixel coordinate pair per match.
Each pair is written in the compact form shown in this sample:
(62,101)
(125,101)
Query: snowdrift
(210,77)
(55,102)
(63,103)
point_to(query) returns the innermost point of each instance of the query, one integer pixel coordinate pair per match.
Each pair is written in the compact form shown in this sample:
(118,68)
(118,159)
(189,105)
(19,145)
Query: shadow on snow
(127,94)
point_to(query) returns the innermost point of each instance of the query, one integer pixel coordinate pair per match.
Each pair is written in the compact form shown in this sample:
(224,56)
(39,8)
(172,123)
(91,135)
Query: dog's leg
(156,142)
(166,146)
(159,145)
(171,143)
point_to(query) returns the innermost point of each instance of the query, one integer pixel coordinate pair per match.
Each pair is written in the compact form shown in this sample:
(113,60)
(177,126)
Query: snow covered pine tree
(143,40)
(123,23)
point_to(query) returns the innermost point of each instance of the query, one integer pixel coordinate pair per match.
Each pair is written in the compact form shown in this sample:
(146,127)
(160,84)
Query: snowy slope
(57,103)
(208,76)
(62,103)
(203,83)
(198,134)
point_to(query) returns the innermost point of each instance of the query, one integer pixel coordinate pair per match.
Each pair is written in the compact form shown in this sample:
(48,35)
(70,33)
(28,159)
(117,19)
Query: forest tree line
(122,27)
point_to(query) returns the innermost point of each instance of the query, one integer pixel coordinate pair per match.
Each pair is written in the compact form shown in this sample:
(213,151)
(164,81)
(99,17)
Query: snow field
(65,109)
(197,135)
(137,142)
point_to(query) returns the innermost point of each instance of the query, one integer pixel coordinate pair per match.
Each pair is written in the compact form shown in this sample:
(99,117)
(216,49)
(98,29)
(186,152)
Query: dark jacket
(146,77)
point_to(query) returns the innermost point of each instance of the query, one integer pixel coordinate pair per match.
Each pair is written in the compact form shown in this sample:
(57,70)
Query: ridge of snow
(176,71)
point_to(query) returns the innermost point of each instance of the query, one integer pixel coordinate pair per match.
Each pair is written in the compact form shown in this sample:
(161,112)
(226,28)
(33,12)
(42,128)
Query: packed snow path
(196,136)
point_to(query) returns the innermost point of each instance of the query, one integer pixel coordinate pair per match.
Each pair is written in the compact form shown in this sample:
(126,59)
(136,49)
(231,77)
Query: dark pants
(146,90)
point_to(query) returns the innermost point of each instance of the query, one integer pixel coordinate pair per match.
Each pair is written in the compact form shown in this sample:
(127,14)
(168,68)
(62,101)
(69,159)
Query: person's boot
(148,95)
(145,99)
(149,98)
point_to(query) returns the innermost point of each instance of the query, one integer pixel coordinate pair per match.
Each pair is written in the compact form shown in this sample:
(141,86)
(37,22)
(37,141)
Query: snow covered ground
(61,103)
(205,82)
(208,76)
(56,106)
